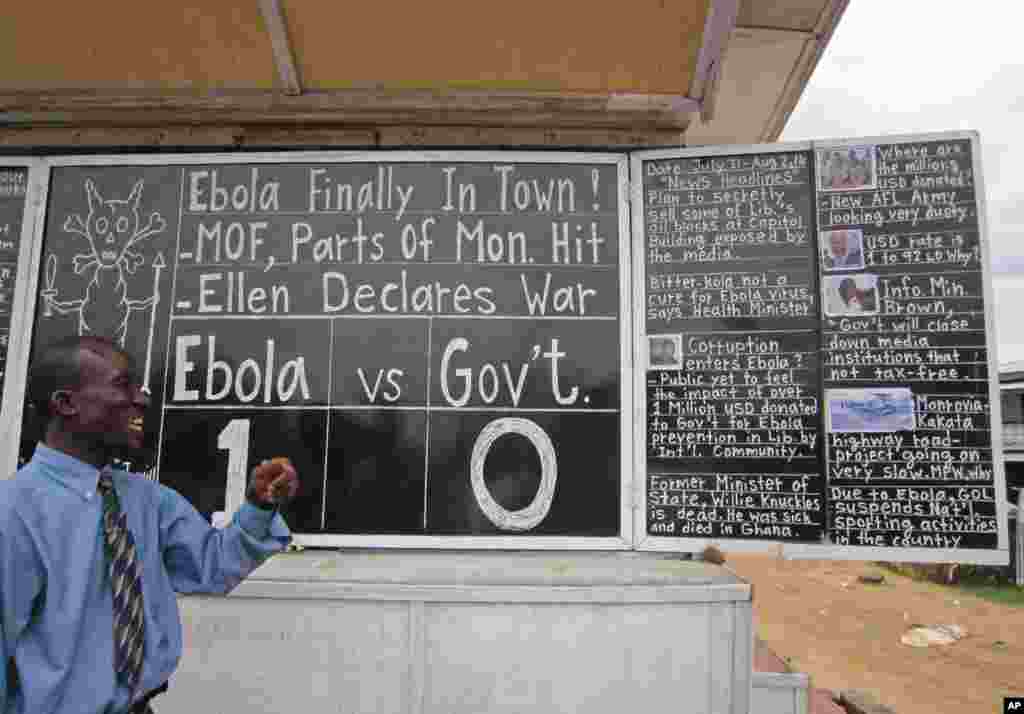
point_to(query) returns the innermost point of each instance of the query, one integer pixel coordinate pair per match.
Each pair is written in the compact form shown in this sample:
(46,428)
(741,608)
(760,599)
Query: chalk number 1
(234,438)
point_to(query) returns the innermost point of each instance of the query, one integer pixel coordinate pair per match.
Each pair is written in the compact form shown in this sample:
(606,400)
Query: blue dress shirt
(56,623)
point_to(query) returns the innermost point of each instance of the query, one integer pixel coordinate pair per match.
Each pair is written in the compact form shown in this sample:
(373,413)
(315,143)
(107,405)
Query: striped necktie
(125,585)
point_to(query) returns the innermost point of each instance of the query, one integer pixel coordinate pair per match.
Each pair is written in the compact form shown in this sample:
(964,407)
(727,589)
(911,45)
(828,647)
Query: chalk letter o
(530,516)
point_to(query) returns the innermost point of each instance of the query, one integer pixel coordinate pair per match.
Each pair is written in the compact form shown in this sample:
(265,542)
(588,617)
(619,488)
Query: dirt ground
(846,635)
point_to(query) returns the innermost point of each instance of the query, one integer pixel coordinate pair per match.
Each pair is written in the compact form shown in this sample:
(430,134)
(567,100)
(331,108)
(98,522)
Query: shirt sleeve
(202,559)
(20,583)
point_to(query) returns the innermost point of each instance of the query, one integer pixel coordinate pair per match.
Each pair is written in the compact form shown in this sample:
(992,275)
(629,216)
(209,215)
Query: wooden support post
(1019,563)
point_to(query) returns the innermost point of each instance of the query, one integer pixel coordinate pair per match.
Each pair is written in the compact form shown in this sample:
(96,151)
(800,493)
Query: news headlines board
(439,342)
(13,199)
(816,351)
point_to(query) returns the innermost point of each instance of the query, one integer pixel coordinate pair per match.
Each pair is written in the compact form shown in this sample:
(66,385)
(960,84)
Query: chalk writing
(745,505)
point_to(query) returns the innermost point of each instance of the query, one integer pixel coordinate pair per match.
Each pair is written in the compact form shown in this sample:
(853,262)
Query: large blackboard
(437,342)
(815,350)
(13,192)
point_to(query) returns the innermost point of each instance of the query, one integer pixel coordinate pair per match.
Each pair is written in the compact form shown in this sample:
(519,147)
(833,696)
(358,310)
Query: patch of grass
(973,580)
(1003,594)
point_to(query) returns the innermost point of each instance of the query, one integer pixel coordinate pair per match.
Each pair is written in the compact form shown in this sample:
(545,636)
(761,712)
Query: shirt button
(88,494)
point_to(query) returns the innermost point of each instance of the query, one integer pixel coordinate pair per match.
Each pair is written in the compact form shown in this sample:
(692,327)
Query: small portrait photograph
(842,249)
(664,351)
(851,294)
(878,409)
(846,168)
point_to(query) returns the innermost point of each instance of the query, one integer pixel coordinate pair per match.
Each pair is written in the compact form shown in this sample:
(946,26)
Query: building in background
(1011,384)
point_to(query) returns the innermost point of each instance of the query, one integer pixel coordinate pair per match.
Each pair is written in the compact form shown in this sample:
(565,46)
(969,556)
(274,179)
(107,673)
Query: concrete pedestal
(454,632)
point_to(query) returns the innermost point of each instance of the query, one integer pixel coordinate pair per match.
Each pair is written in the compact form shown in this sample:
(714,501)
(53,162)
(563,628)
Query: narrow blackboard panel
(909,452)
(730,347)
(13,192)
(889,447)
(433,333)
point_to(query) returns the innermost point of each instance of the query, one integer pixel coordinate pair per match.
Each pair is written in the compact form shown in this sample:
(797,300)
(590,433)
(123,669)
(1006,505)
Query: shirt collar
(75,474)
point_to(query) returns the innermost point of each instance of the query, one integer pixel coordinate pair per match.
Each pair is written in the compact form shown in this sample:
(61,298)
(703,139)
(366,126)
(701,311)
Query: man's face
(838,243)
(663,351)
(110,403)
(848,291)
(656,351)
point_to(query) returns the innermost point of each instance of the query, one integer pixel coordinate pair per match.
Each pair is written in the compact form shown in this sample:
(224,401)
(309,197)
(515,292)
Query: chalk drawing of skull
(111,227)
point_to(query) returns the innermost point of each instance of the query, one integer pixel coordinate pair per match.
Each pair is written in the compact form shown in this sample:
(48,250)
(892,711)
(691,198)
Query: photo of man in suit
(664,351)
(842,250)
(851,295)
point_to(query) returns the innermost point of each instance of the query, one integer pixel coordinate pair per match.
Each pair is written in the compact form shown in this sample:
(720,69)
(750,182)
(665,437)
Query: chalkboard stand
(467,632)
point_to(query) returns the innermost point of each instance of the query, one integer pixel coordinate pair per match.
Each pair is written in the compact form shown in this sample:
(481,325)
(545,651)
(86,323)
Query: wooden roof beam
(718,27)
(284,59)
(814,47)
(363,107)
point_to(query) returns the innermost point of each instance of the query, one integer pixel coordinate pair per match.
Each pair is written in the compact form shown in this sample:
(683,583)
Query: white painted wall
(448,633)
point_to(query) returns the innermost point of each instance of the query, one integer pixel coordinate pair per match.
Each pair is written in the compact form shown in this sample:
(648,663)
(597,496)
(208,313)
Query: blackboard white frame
(643,541)
(19,342)
(26,302)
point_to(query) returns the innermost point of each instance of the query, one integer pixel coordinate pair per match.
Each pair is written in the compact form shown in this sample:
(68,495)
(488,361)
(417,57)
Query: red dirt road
(846,635)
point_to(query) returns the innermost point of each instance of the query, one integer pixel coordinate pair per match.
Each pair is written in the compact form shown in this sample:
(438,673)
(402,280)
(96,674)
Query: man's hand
(272,484)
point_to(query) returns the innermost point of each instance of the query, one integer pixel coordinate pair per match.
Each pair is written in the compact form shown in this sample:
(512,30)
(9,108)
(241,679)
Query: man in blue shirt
(56,616)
